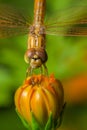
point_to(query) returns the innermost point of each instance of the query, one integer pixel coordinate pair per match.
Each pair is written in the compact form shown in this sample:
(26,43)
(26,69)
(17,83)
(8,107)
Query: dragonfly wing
(12,22)
(6,32)
(72,22)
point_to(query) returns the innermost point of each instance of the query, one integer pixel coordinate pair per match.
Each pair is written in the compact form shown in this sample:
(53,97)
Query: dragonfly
(70,23)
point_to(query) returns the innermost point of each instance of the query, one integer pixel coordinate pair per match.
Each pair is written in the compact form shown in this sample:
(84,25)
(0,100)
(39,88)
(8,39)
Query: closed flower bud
(40,101)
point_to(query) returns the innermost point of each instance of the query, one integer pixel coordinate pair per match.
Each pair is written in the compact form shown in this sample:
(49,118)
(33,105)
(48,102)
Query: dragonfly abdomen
(39,11)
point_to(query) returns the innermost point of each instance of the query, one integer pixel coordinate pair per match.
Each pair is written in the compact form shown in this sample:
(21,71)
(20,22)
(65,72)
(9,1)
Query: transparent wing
(12,22)
(71,22)
(6,32)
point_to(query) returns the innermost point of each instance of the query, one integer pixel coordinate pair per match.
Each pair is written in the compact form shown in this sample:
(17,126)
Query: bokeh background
(67,59)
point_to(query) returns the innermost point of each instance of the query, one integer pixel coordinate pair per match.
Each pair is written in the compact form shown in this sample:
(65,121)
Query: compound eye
(29,54)
(42,54)
(26,58)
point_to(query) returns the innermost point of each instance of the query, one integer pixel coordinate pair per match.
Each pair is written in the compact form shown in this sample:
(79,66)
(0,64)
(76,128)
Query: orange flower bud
(41,96)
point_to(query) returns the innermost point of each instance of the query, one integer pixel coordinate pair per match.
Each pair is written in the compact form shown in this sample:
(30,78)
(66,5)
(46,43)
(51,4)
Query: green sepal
(49,124)
(23,121)
(59,120)
(34,124)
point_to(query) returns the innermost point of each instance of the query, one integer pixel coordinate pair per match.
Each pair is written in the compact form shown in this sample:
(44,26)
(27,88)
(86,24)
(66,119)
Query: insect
(14,23)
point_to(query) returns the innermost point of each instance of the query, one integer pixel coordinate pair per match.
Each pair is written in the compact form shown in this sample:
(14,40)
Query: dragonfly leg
(45,69)
(41,70)
(29,72)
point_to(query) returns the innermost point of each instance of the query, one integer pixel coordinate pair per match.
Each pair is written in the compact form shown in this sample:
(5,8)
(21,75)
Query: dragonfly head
(36,57)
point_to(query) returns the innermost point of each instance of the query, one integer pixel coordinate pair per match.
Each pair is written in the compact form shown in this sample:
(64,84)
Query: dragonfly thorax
(37,29)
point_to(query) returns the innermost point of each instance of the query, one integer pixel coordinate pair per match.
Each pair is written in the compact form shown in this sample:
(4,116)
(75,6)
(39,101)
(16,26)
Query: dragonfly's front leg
(29,72)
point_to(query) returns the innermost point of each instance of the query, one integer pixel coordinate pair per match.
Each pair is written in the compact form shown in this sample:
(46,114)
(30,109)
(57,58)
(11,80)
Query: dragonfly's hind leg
(45,69)
(41,70)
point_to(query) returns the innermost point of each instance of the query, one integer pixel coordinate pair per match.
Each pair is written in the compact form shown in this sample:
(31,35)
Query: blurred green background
(67,59)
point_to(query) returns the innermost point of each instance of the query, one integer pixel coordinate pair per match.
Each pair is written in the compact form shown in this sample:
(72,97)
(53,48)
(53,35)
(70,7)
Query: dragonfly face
(36,57)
